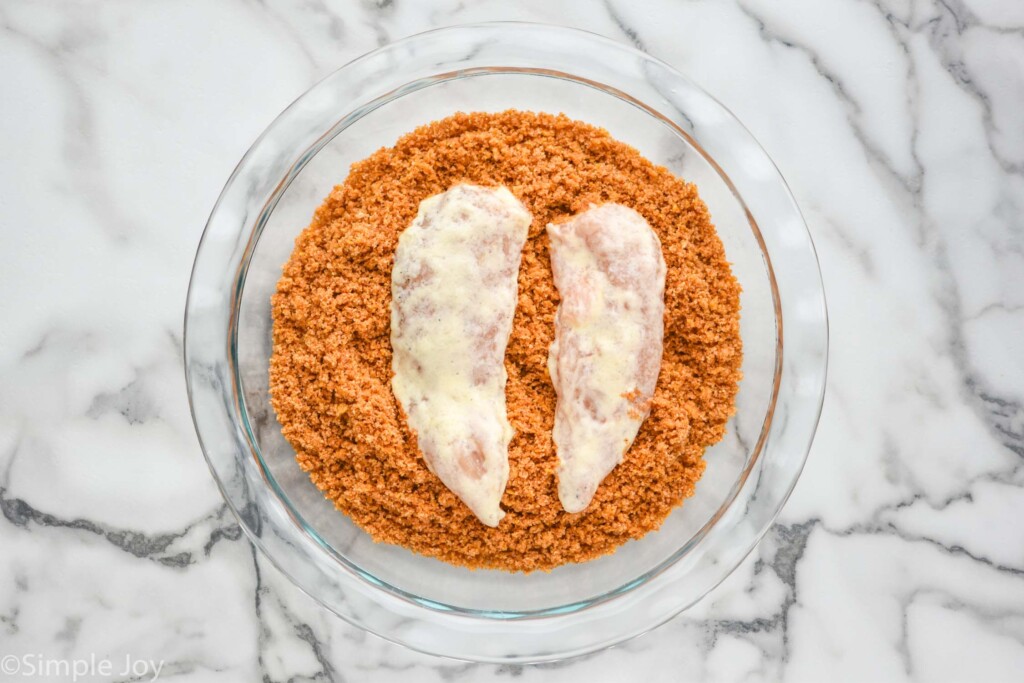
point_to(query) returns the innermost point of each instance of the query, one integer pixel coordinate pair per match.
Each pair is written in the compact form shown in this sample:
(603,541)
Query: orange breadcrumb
(330,372)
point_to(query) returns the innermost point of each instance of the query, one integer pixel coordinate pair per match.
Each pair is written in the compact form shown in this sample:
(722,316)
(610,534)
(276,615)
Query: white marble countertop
(898,125)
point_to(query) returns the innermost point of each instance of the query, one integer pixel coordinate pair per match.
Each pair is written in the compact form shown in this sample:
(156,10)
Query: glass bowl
(486,615)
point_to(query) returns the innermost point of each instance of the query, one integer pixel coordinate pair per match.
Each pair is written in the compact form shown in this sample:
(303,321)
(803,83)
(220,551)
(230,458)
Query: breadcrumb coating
(330,371)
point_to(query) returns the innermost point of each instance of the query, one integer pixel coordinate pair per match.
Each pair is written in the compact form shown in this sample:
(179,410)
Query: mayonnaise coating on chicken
(604,362)
(454,288)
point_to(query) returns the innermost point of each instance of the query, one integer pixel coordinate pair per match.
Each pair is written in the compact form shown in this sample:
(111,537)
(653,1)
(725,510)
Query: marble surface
(898,125)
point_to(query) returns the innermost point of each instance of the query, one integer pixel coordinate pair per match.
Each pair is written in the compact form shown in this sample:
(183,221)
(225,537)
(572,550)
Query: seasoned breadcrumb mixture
(330,372)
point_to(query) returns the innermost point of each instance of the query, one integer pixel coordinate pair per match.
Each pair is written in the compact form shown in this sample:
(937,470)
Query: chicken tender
(454,290)
(604,363)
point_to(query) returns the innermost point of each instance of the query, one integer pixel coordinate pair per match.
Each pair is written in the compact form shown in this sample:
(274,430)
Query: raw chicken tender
(604,362)
(454,288)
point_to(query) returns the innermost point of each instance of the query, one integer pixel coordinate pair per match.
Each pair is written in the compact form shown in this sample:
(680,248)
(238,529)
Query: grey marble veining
(897,123)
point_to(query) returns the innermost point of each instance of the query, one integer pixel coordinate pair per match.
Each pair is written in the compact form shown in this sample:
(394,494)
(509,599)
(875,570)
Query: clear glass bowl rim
(508,36)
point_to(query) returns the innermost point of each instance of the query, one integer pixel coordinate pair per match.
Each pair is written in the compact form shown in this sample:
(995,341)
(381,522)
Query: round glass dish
(490,615)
